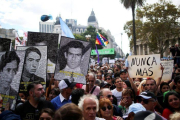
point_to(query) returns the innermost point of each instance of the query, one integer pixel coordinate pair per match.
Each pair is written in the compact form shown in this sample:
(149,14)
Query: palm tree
(131,4)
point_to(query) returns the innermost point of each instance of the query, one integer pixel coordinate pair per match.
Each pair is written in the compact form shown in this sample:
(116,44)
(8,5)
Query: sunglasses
(145,101)
(108,107)
(108,78)
(109,96)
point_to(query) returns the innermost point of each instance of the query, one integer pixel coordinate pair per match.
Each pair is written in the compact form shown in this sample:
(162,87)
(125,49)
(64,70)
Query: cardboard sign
(34,67)
(47,39)
(143,66)
(111,61)
(10,76)
(168,69)
(4,44)
(73,60)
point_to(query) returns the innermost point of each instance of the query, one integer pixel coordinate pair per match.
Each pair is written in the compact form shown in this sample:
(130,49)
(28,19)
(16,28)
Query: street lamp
(121,45)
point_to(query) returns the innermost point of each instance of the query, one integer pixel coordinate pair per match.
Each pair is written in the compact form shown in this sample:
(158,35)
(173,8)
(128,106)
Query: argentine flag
(65,29)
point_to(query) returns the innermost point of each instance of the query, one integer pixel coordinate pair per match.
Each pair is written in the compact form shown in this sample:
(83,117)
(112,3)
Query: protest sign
(51,41)
(73,60)
(11,67)
(34,67)
(143,66)
(4,44)
(111,61)
(168,69)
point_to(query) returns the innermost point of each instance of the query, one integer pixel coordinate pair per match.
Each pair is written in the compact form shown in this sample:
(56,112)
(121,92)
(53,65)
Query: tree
(160,28)
(131,4)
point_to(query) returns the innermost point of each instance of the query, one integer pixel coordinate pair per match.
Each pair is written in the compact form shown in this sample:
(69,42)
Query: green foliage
(160,25)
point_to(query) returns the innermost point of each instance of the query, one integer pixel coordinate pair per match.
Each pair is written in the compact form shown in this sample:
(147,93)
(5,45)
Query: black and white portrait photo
(34,65)
(48,39)
(73,60)
(4,44)
(11,66)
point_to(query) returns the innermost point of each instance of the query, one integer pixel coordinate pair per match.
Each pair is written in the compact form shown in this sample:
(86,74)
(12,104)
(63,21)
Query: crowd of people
(109,94)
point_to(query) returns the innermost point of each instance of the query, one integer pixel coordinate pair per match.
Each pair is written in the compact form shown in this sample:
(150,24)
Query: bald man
(93,89)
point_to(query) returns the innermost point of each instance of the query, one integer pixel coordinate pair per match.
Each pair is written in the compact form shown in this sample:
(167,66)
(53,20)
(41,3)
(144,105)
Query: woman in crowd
(172,103)
(164,87)
(46,114)
(141,87)
(69,111)
(53,93)
(106,110)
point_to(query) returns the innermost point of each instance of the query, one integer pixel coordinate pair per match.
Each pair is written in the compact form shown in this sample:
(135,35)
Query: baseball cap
(123,71)
(136,107)
(147,95)
(65,84)
(146,115)
(103,84)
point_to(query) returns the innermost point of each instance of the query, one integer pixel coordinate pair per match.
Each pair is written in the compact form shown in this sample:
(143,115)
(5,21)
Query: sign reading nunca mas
(143,66)
(103,51)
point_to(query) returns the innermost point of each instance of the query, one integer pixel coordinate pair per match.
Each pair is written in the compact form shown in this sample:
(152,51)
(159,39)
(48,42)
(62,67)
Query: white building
(55,27)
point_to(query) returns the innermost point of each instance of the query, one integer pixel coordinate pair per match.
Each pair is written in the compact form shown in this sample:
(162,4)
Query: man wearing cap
(65,91)
(149,101)
(123,75)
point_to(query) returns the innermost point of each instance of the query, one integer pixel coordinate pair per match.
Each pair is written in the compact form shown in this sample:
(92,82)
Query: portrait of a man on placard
(34,65)
(46,39)
(11,66)
(8,68)
(73,60)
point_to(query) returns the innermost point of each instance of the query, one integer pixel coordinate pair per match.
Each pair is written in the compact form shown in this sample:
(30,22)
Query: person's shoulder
(113,90)
(97,118)
(166,110)
(55,99)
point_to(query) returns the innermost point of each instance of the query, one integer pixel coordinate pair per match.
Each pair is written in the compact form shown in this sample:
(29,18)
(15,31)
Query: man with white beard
(31,108)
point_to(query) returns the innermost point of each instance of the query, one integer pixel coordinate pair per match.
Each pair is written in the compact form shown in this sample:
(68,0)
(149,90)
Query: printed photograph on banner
(143,66)
(73,60)
(5,44)
(11,66)
(35,65)
(51,41)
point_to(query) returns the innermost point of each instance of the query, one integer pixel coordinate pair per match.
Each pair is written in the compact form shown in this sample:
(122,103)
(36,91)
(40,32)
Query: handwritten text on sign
(142,66)
(168,69)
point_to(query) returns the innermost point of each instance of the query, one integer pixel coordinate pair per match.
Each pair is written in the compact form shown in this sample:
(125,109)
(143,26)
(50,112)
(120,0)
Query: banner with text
(103,51)
(143,66)
(168,69)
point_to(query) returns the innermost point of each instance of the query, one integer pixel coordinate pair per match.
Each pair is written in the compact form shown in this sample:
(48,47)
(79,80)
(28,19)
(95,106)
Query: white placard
(143,66)
(168,69)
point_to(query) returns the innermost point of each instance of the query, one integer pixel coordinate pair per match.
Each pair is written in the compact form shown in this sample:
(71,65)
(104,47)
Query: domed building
(92,21)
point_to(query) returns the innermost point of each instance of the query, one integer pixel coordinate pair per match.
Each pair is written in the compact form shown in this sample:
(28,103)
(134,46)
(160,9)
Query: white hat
(65,84)
(136,107)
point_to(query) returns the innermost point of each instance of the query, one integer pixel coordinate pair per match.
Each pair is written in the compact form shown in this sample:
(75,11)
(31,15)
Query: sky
(24,15)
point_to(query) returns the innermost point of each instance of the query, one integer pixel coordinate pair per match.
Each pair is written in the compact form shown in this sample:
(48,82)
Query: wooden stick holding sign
(143,66)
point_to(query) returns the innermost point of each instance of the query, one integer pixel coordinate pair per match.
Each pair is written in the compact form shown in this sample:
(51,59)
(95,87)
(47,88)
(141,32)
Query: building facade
(55,27)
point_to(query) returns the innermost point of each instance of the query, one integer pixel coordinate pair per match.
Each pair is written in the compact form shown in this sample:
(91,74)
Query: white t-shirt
(97,118)
(117,94)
